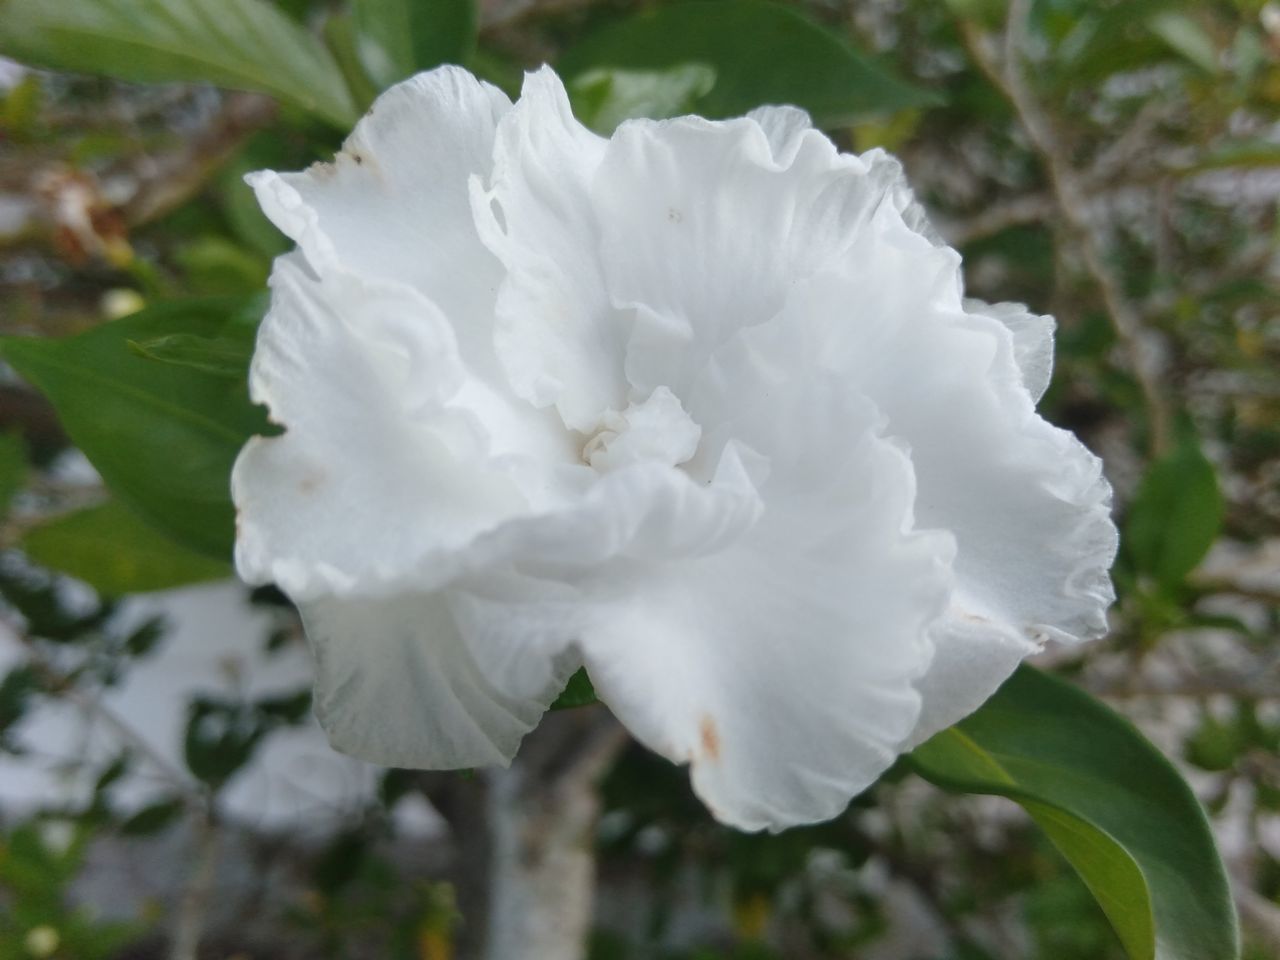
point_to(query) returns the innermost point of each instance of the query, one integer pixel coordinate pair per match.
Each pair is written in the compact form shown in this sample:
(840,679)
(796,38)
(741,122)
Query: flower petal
(972,657)
(394,204)
(430,681)
(782,667)
(1032,341)
(784,127)
(557,337)
(707,226)
(1027,502)
(375,471)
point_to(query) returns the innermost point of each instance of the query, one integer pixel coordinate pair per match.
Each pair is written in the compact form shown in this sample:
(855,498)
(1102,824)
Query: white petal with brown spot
(700,406)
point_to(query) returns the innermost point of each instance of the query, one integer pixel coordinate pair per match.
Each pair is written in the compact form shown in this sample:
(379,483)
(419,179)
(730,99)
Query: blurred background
(164,791)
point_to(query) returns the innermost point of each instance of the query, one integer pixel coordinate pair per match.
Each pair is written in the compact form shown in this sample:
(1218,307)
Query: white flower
(699,406)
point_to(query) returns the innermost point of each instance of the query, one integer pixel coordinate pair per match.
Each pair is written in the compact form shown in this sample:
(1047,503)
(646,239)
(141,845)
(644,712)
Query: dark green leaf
(578,692)
(338,865)
(289,708)
(35,595)
(146,638)
(16,690)
(1115,807)
(152,819)
(397,38)
(13,468)
(163,437)
(115,770)
(761,53)
(395,783)
(242,44)
(1175,515)
(602,99)
(116,553)
(221,737)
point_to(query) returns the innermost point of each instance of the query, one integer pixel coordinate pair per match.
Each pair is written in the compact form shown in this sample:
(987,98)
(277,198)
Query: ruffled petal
(783,127)
(376,472)
(1026,502)
(782,667)
(431,680)
(394,204)
(1032,341)
(559,341)
(700,406)
(707,226)
(972,657)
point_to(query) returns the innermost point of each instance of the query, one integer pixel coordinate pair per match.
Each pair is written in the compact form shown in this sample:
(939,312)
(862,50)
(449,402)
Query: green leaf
(761,53)
(221,738)
(242,44)
(1250,154)
(219,356)
(17,688)
(602,99)
(1188,38)
(1115,807)
(578,692)
(397,38)
(340,36)
(153,818)
(163,436)
(114,552)
(1175,515)
(214,266)
(13,468)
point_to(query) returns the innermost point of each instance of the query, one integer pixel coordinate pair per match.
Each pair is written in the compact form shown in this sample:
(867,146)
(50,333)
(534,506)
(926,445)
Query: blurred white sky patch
(214,646)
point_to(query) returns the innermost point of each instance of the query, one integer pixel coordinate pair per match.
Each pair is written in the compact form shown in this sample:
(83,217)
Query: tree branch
(1070,199)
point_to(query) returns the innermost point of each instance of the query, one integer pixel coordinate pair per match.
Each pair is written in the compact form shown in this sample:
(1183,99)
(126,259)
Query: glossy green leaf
(116,553)
(761,53)
(397,38)
(1175,516)
(242,44)
(602,99)
(1115,807)
(163,436)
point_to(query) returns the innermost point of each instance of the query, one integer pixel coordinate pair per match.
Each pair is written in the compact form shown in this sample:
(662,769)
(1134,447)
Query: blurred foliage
(132,259)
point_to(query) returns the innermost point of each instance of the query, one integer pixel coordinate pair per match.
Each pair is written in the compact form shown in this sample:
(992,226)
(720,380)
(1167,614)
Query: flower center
(657,429)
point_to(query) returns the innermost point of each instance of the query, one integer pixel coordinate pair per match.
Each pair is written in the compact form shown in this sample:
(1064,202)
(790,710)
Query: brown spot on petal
(1037,636)
(311,482)
(710,738)
(321,170)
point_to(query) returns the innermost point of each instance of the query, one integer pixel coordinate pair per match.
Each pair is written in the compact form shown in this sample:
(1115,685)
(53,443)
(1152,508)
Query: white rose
(699,406)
